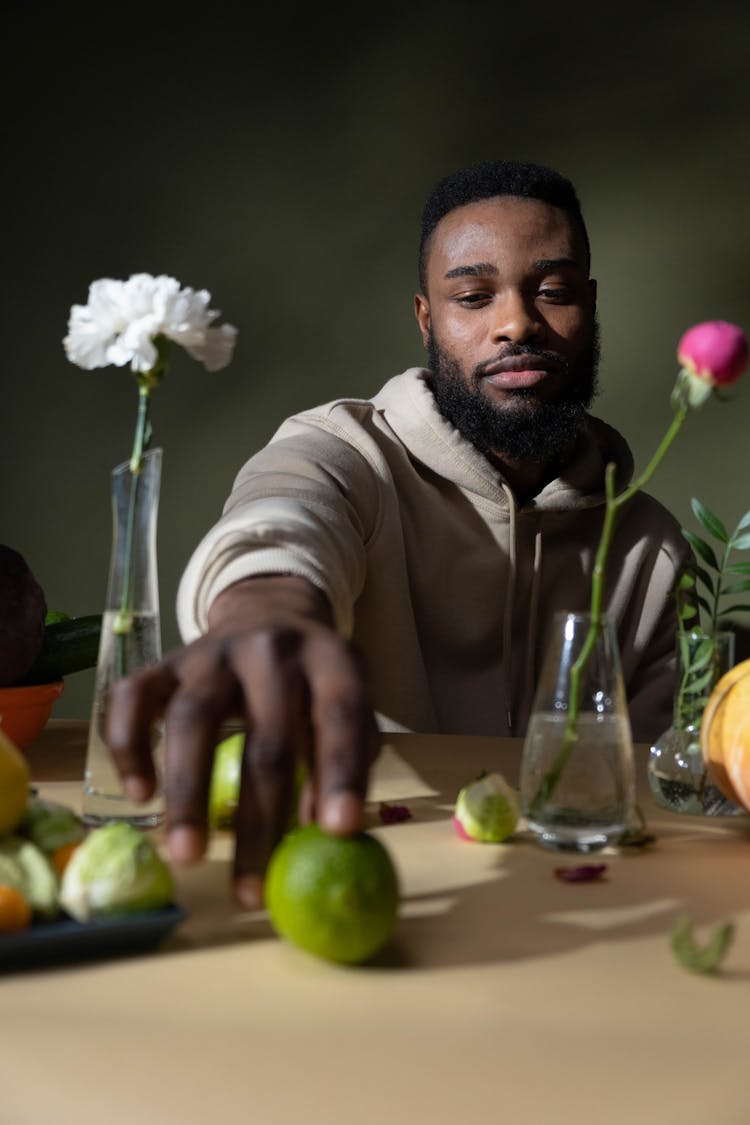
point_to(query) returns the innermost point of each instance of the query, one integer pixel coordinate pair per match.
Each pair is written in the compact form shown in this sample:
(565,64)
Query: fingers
(135,703)
(205,696)
(305,700)
(302,693)
(345,733)
(278,735)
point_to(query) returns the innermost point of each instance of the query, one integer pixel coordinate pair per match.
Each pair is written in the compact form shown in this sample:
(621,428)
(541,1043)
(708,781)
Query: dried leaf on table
(585,873)
(696,958)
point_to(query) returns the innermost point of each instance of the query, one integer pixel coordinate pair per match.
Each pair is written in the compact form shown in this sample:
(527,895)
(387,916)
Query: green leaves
(700,662)
(696,958)
(712,523)
(701,665)
(702,549)
(714,580)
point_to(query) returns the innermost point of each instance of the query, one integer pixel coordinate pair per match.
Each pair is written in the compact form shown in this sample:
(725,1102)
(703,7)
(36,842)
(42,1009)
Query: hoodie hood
(408,406)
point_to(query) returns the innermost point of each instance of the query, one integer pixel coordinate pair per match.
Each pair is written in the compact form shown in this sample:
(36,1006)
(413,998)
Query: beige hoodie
(446,585)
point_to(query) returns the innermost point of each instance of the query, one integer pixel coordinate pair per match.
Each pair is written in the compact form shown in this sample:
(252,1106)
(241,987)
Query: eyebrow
(482,269)
(555,264)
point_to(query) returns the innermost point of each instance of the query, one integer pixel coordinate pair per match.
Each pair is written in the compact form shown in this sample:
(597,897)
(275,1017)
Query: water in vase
(593,802)
(103,795)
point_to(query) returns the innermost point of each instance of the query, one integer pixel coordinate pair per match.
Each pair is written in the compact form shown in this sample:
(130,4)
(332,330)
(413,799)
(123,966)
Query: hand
(272,657)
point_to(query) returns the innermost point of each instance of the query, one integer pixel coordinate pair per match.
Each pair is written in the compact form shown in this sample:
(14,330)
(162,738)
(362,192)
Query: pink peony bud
(715,351)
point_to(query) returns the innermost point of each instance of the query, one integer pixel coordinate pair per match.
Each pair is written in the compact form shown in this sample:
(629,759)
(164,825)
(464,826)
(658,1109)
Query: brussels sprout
(116,870)
(50,825)
(486,810)
(25,866)
(11,872)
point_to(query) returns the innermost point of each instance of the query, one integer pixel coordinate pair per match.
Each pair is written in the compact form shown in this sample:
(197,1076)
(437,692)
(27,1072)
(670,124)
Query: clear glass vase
(131,634)
(577,774)
(677,774)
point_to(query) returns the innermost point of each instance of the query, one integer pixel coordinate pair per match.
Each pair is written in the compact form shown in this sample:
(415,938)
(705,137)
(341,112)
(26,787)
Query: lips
(519,371)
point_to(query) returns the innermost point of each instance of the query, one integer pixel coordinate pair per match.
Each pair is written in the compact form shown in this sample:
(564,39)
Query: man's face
(508,319)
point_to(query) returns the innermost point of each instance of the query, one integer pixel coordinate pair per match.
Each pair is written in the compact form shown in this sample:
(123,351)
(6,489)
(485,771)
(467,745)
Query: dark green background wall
(280,161)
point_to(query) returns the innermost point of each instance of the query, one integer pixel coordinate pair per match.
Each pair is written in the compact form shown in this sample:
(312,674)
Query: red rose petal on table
(586,873)
(393,814)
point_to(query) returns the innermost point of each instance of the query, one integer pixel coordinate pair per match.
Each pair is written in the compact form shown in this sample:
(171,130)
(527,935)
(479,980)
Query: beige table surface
(507,995)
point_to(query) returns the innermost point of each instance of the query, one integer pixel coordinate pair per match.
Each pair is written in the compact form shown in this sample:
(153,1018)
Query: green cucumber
(68,646)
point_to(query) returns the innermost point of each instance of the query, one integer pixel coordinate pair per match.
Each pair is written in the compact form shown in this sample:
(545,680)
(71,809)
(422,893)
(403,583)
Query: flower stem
(140,441)
(122,625)
(719,585)
(147,380)
(613,503)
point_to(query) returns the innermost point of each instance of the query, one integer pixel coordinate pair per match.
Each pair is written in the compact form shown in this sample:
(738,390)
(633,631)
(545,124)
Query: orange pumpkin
(725,734)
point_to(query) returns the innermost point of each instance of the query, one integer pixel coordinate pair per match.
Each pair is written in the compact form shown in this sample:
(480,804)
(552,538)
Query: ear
(422,313)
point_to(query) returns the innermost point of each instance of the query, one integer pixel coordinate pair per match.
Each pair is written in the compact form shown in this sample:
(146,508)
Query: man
(435,530)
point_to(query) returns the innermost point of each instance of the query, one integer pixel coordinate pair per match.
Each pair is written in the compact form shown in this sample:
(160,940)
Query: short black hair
(490,178)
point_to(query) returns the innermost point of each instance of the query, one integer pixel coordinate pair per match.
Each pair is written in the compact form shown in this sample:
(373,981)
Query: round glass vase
(677,775)
(577,774)
(130,637)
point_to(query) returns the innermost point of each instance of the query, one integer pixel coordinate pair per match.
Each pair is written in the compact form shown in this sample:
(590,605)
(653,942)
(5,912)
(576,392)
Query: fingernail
(248,890)
(341,812)
(136,787)
(185,844)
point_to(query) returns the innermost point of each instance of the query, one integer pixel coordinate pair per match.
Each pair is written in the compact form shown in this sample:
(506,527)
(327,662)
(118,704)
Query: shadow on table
(496,903)
(695,866)
(527,912)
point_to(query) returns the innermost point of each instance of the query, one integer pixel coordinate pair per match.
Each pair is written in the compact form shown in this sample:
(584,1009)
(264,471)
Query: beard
(526,428)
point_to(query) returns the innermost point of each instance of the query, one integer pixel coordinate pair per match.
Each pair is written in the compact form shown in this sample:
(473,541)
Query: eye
(473,299)
(558,294)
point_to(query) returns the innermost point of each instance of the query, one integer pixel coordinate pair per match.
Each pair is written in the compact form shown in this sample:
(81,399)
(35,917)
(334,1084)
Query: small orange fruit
(61,856)
(15,911)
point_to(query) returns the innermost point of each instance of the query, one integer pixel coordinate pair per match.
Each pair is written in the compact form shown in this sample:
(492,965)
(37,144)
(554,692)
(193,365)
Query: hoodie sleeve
(305,505)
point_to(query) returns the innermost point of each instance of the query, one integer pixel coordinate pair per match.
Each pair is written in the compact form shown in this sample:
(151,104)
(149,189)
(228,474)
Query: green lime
(225,781)
(334,896)
(226,773)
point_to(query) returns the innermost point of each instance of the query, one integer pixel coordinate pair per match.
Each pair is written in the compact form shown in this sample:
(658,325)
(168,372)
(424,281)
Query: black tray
(64,940)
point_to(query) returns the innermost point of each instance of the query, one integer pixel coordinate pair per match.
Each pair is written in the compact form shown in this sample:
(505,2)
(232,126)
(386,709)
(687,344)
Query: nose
(516,319)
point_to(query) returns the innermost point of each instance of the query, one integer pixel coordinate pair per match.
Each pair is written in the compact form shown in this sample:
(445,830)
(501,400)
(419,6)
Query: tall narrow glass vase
(578,789)
(677,774)
(131,634)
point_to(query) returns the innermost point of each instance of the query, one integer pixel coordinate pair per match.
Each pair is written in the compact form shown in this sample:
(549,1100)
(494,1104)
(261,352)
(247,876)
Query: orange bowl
(24,711)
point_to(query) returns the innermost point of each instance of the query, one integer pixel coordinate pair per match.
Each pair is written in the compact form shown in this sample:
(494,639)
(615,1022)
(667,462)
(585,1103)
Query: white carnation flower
(122,319)
(136,322)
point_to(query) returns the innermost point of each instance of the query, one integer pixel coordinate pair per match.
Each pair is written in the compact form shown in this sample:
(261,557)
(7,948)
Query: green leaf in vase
(744,522)
(705,578)
(702,548)
(736,587)
(711,522)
